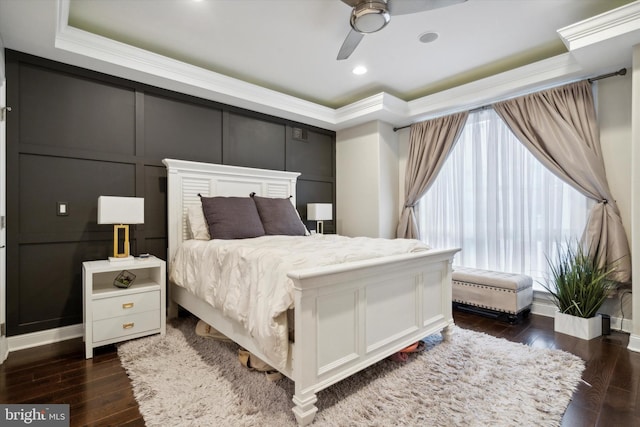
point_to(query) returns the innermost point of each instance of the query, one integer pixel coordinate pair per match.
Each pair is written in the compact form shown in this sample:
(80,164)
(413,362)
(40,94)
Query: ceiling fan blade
(350,44)
(352,3)
(405,7)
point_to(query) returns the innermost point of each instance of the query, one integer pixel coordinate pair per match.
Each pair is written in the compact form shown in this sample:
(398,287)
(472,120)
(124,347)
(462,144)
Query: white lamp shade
(120,210)
(319,211)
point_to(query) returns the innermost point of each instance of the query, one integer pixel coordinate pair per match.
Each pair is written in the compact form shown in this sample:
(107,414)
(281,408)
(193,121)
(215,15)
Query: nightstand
(113,314)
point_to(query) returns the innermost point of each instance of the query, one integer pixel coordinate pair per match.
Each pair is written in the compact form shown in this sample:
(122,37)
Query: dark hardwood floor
(99,392)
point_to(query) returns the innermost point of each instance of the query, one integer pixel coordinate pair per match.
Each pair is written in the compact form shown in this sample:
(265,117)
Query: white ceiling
(291,45)
(286,49)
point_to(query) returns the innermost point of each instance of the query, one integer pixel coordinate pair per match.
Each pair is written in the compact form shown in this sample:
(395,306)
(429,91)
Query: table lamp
(319,212)
(120,211)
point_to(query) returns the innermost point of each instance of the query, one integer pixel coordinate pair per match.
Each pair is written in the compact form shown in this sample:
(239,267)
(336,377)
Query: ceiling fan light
(370,16)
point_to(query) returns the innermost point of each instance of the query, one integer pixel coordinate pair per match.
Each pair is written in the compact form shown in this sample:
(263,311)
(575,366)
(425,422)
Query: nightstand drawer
(125,305)
(113,314)
(108,329)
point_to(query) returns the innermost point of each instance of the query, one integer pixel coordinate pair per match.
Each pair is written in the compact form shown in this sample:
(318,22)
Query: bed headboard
(188,179)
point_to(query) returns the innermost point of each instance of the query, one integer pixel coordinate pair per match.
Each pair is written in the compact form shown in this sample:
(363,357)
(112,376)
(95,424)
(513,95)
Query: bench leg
(516,318)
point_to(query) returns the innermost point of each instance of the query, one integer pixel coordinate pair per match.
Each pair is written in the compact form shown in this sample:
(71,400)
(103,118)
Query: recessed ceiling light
(428,37)
(359,70)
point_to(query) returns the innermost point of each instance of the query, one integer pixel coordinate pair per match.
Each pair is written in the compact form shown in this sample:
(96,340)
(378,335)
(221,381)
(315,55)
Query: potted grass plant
(578,286)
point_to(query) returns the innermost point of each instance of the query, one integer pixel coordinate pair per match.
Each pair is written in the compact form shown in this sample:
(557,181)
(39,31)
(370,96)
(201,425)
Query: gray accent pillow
(232,217)
(279,217)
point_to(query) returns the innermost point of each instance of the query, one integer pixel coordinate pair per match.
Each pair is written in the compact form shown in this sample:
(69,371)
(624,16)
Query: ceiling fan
(369,16)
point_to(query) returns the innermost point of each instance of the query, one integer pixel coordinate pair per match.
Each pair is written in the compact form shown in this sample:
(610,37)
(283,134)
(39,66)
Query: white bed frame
(347,316)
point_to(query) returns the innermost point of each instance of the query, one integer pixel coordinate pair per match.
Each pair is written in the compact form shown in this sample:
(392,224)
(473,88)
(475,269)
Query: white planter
(579,327)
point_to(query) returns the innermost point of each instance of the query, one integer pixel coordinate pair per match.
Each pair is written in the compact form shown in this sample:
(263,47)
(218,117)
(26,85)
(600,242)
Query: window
(499,204)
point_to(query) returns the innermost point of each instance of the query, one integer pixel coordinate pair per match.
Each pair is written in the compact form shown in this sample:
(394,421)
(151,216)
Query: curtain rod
(620,72)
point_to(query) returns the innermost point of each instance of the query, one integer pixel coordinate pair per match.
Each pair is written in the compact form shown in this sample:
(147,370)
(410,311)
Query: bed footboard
(347,316)
(352,315)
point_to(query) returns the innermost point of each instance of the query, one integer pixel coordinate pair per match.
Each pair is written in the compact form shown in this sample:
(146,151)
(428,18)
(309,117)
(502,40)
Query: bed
(347,316)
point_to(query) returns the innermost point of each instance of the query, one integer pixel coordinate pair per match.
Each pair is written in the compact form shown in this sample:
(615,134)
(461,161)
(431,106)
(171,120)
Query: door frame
(4,346)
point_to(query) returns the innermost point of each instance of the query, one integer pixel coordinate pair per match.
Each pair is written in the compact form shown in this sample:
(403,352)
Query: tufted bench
(493,292)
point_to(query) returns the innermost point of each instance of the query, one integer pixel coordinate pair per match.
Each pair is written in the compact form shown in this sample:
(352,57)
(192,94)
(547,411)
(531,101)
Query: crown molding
(106,55)
(176,75)
(509,84)
(138,64)
(599,28)
(382,106)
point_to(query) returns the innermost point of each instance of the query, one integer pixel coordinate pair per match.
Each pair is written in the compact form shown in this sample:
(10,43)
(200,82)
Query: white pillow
(196,223)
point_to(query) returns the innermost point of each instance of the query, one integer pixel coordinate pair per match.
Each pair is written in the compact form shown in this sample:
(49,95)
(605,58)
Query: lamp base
(121,259)
(116,237)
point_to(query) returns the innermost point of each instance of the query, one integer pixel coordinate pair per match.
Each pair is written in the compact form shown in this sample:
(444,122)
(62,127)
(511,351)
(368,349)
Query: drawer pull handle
(127,305)
(127,325)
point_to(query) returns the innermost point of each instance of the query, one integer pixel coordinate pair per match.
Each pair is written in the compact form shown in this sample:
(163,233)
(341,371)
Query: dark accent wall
(74,134)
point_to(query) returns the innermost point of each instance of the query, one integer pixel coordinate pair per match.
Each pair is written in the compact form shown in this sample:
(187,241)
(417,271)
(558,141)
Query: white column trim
(634,339)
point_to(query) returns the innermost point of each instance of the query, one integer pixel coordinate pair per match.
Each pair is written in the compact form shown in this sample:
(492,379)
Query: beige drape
(559,127)
(430,143)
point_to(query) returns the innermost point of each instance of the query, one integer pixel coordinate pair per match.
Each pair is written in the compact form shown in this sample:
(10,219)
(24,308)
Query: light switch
(63,209)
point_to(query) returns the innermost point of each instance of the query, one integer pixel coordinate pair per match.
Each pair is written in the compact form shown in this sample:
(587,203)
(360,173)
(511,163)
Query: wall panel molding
(75,134)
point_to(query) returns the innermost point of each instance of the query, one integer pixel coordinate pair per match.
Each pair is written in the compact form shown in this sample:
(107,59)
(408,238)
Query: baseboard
(4,350)
(35,339)
(621,325)
(634,343)
(543,306)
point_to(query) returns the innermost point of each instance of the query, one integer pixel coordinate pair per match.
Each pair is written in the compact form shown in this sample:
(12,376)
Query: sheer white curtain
(498,203)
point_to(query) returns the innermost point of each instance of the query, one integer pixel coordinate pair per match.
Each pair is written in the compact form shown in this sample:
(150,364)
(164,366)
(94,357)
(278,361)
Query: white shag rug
(472,380)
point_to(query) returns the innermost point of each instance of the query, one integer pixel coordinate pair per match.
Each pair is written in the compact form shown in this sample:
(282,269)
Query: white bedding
(247,278)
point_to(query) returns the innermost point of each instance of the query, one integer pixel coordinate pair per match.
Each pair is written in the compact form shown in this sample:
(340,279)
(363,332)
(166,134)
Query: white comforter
(247,278)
